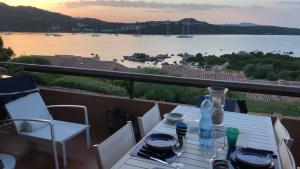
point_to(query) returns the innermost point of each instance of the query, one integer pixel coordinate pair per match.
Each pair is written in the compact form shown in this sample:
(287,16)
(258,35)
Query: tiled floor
(38,155)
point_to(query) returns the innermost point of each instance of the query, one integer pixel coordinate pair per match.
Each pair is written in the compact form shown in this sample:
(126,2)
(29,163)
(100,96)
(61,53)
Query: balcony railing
(159,79)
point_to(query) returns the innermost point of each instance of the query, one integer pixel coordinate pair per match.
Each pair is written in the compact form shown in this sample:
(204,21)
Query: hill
(30,19)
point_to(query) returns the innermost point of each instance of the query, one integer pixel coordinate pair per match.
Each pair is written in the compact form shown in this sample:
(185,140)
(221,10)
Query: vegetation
(31,60)
(178,94)
(74,82)
(5,53)
(271,107)
(258,65)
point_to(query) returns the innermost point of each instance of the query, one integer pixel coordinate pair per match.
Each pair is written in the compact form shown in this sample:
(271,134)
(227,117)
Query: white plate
(174,117)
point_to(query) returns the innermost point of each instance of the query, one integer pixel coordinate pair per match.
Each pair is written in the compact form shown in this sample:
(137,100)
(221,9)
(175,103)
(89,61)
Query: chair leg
(88,138)
(64,153)
(55,155)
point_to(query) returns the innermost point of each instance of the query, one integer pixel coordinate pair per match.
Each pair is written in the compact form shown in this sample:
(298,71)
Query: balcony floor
(31,154)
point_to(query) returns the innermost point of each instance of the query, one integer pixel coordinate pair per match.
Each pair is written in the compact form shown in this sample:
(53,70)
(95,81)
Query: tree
(1,43)
(262,70)
(200,59)
(249,69)
(272,76)
(5,53)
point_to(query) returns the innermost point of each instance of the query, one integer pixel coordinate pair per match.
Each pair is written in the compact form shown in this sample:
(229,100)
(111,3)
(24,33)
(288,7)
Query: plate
(160,141)
(174,117)
(254,158)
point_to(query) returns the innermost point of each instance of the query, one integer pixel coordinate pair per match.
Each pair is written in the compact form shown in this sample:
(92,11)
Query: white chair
(117,145)
(286,157)
(282,134)
(32,119)
(149,120)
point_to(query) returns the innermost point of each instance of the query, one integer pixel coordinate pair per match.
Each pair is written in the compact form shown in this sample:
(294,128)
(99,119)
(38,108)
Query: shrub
(89,84)
(32,60)
(154,71)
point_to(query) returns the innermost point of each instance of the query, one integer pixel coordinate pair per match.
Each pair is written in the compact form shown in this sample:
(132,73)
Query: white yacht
(187,35)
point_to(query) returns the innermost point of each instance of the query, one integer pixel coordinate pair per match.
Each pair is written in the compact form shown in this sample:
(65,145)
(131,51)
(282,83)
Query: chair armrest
(49,122)
(86,119)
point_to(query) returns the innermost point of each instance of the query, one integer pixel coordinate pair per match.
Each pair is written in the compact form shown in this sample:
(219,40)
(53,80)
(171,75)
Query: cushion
(31,106)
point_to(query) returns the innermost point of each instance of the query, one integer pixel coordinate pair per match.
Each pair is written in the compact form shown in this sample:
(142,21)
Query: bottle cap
(207,97)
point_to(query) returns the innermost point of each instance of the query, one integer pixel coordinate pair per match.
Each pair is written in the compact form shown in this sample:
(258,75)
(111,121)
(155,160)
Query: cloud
(149,5)
(288,3)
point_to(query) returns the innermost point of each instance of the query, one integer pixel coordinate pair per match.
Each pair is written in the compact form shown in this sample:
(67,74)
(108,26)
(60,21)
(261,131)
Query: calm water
(110,47)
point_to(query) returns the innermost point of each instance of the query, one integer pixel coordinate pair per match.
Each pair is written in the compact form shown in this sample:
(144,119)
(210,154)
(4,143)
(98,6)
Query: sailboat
(95,33)
(188,31)
(7,33)
(138,34)
(168,30)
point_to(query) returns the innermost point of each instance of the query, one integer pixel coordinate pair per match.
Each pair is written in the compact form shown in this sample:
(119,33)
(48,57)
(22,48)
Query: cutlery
(152,158)
(149,152)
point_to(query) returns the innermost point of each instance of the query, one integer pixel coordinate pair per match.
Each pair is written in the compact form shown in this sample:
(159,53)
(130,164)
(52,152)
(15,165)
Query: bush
(89,84)
(249,69)
(32,60)
(154,71)
(270,107)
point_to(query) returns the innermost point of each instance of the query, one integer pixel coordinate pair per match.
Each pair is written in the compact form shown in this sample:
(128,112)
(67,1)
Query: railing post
(130,90)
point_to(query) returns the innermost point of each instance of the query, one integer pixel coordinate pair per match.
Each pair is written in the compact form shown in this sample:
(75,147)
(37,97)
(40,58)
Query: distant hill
(26,18)
(30,19)
(243,24)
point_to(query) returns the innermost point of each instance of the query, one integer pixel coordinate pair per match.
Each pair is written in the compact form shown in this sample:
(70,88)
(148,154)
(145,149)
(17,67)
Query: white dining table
(255,132)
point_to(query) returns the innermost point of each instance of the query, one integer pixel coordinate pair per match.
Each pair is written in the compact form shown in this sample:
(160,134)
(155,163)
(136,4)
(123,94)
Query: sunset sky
(267,12)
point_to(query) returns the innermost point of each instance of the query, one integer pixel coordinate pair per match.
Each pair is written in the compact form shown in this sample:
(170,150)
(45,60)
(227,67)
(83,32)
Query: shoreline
(90,33)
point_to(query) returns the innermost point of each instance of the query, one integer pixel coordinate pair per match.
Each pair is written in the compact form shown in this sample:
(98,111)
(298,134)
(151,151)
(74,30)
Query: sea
(113,46)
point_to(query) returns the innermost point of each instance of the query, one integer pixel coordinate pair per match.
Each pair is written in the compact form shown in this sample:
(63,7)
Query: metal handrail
(282,90)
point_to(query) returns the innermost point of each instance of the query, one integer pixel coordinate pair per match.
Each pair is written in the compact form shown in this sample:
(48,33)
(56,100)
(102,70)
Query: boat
(7,33)
(47,34)
(95,34)
(168,30)
(187,35)
(56,34)
(138,34)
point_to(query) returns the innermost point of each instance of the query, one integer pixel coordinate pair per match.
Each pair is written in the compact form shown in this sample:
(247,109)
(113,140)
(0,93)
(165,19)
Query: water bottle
(206,123)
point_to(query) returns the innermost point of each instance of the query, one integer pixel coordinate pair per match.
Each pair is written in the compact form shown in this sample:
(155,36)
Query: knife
(151,153)
(152,158)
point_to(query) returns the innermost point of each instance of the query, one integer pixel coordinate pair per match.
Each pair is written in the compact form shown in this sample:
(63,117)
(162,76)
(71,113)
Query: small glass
(178,149)
(220,164)
(232,135)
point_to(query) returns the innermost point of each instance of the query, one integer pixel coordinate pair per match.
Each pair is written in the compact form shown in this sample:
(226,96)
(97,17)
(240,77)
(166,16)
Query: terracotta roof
(185,71)
(83,62)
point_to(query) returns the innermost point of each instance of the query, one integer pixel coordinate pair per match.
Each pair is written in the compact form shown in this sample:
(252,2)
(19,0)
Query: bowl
(174,117)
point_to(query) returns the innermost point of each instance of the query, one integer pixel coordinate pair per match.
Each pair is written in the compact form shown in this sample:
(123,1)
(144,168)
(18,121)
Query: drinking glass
(214,151)
(219,140)
(178,149)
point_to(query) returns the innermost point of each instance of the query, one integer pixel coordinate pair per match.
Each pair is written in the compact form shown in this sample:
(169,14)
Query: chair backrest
(230,105)
(149,120)
(117,145)
(286,157)
(242,106)
(282,134)
(31,106)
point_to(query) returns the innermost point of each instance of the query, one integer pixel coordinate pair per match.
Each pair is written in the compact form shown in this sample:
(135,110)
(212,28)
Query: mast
(188,26)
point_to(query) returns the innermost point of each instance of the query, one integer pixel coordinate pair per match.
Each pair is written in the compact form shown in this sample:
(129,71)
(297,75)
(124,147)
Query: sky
(264,12)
